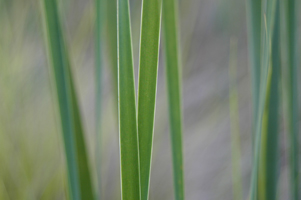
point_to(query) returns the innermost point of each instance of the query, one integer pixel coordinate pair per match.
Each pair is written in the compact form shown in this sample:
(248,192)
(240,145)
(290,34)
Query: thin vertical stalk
(270,134)
(268,14)
(148,68)
(170,26)
(80,186)
(290,7)
(254,40)
(128,136)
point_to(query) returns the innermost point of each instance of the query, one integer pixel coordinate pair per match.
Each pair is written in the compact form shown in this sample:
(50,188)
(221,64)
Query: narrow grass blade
(254,40)
(234,116)
(170,23)
(78,171)
(268,15)
(291,26)
(270,131)
(129,155)
(148,67)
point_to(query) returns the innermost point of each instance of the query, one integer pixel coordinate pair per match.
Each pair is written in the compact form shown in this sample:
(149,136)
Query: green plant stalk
(291,28)
(148,68)
(254,39)
(128,136)
(270,136)
(268,14)
(170,23)
(80,186)
(234,116)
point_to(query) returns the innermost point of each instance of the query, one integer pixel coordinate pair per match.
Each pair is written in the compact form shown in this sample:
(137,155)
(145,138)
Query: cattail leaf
(128,136)
(170,28)
(148,67)
(290,8)
(80,186)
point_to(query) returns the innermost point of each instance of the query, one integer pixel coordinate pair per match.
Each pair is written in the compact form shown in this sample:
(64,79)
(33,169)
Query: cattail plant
(79,180)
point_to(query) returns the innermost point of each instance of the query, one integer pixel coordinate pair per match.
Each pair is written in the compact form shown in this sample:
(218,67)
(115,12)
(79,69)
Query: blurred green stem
(170,26)
(80,185)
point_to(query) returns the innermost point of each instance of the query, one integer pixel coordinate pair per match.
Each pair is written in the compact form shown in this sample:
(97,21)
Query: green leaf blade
(254,40)
(174,92)
(291,8)
(80,186)
(148,68)
(267,24)
(129,155)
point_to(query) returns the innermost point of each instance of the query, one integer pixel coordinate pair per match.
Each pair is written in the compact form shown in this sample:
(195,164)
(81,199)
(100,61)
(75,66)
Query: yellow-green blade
(128,136)
(170,23)
(148,67)
(80,186)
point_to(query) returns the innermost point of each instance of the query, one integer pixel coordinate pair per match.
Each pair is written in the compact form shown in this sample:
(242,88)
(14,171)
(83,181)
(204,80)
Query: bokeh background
(32,164)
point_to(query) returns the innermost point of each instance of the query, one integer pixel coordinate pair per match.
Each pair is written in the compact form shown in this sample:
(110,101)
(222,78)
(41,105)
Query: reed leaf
(254,41)
(170,26)
(268,15)
(291,91)
(80,186)
(270,135)
(148,67)
(128,136)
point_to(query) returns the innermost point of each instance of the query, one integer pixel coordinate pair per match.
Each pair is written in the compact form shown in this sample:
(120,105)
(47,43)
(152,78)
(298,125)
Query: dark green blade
(268,15)
(78,171)
(129,156)
(170,23)
(149,54)
(270,136)
(254,41)
(291,91)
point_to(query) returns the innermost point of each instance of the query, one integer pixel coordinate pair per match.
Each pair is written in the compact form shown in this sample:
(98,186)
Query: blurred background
(32,164)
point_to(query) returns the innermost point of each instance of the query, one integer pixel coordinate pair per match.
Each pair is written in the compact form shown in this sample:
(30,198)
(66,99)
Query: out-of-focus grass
(174,86)
(234,117)
(290,12)
(26,173)
(27,113)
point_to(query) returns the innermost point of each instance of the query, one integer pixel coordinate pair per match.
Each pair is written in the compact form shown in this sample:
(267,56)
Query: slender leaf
(270,134)
(149,53)
(129,155)
(80,185)
(268,14)
(170,23)
(254,41)
(291,91)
